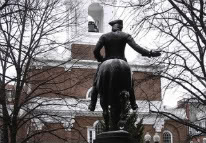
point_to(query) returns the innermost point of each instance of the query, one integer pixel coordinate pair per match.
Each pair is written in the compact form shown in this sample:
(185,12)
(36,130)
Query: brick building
(195,111)
(76,76)
(66,92)
(77,81)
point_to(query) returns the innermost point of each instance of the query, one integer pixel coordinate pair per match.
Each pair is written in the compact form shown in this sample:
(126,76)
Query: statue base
(119,136)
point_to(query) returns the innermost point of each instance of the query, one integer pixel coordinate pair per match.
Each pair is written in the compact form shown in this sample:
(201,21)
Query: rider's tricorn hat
(118,21)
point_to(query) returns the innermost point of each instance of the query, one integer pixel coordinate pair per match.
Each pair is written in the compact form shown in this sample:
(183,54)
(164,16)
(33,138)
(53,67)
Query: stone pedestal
(119,136)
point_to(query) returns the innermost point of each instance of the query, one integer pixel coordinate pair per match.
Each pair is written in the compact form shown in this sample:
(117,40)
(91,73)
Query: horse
(113,84)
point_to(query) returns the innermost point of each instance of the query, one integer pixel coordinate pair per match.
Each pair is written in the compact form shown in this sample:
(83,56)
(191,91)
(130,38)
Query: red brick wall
(51,133)
(147,86)
(79,133)
(52,82)
(77,81)
(83,51)
(178,131)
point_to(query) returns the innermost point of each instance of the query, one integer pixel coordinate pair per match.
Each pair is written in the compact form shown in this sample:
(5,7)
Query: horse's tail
(124,95)
(124,99)
(124,107)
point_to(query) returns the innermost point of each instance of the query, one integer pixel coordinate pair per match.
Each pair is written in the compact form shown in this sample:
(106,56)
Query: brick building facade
(76,78)
(66,90)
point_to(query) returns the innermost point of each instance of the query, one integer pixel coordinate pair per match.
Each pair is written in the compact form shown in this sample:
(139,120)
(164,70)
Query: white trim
(204,140)
(95,123)
(68,125)
(87,94)
(159,124)
(92,129)
(167,131)
(90,64)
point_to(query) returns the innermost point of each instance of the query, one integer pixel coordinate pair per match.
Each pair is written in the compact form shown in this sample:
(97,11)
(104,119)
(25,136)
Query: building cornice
(90,64)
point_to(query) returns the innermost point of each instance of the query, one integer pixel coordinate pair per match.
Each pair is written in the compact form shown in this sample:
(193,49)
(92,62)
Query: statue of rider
(114,43)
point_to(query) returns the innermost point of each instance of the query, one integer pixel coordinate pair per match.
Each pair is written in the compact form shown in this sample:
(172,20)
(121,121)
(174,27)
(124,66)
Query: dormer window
(95,18)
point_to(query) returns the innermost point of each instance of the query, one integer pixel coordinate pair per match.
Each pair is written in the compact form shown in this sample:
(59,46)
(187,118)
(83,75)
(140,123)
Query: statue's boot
(94,94)
(132,99)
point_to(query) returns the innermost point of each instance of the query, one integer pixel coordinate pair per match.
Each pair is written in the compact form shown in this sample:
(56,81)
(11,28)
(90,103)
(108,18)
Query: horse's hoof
(134,106)
(91,108)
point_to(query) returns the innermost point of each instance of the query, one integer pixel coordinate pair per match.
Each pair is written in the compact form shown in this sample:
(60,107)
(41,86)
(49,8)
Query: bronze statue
(113,78)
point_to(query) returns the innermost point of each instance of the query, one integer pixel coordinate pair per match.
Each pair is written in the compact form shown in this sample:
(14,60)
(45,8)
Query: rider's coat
(114,44)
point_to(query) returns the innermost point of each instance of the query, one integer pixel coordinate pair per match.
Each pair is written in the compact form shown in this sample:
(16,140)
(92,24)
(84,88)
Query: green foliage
(136,131)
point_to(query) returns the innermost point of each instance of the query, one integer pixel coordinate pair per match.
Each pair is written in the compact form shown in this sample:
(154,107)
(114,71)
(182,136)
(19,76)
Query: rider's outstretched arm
(99,46)
(137,48)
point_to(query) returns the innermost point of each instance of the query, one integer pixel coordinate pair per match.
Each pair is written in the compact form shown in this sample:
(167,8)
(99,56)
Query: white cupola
(88,19)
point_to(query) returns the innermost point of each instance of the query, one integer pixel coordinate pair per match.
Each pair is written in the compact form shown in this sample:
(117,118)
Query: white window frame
(88,92)
(89,131)
(10,94)
(101,26)
(93,131)
(167,131)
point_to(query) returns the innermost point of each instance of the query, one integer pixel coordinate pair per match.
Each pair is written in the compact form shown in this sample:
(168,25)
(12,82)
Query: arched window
(88,94)
(98,128)
(95,18)
(167,137)
(92,132)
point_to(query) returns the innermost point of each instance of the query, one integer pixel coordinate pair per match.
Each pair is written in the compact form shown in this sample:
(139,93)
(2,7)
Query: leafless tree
(180,29)
(3,4)
(30,30)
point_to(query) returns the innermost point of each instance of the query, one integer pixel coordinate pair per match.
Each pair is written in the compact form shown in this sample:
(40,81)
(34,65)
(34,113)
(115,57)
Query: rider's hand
(155,53)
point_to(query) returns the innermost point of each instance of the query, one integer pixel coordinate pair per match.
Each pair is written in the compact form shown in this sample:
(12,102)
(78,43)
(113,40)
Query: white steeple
(88,19)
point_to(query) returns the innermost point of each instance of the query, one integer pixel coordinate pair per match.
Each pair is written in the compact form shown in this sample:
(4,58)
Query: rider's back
(114,43)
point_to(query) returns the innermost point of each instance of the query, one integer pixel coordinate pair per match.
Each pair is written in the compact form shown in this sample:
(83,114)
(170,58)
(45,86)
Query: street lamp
(147,138)
(156,138)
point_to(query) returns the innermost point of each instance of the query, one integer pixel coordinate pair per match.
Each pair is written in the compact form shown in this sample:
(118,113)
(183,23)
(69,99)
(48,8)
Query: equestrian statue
(113,79)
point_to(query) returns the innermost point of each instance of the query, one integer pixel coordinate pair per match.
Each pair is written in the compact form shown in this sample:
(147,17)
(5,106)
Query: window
(95,18)
(93,131)
(90,136)
(10,94)
(98,128)
(167,137)
(88,95)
